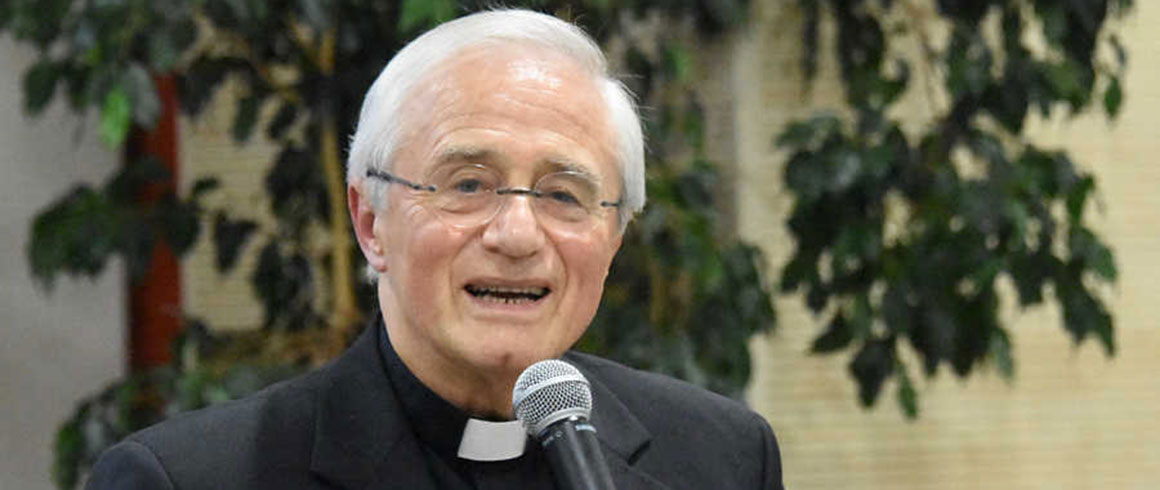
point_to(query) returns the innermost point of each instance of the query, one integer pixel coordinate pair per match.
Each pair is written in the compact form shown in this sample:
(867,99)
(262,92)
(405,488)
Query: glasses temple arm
(399,180)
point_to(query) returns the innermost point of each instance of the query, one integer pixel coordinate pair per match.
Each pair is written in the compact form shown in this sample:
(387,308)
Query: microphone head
(550,391)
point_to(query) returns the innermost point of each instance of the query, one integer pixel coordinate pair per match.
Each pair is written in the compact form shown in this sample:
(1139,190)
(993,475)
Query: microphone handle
(575,456)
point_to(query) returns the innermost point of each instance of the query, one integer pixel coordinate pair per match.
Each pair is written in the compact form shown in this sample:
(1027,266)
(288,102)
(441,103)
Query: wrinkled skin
(526,112)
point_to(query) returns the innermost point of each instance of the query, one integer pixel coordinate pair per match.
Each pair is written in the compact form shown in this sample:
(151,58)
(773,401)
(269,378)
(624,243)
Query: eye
(567,190)
(467,186)
(466,180)
(562,196)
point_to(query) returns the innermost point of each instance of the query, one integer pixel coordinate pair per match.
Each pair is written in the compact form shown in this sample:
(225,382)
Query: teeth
(503,290)
(507,295)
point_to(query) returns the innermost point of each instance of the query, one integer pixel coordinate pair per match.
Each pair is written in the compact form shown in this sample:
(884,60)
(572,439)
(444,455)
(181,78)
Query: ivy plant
(681,298)
(903,237)
(973,198)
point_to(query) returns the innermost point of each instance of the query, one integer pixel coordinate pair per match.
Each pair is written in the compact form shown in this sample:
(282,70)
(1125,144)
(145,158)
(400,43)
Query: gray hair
(379,130)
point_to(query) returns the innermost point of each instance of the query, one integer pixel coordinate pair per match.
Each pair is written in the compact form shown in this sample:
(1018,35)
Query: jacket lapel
(361,438)
(622,436)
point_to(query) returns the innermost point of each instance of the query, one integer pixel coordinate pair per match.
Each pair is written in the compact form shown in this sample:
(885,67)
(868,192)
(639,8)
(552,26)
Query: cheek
(587,264)
(422,256)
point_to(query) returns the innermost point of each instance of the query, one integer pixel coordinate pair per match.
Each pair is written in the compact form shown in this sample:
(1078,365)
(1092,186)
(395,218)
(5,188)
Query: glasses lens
(567,197)
(465,192)
(466,195)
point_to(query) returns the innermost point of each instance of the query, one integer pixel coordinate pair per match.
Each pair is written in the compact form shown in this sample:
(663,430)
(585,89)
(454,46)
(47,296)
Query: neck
(480,393)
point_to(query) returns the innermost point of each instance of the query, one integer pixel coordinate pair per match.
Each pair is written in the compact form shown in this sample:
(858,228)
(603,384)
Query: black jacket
(341,427)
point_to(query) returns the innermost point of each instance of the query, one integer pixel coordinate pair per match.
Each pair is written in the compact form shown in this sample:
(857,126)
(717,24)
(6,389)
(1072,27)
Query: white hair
(379,131)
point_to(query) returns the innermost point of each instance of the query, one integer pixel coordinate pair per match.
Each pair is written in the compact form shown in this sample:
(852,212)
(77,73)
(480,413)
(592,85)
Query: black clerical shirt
(438,427)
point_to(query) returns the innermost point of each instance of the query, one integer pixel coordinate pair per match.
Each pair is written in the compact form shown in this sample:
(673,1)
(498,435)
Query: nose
(514,231)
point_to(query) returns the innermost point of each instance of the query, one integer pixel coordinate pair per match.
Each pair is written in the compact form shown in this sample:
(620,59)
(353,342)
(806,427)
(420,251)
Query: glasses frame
(503,191)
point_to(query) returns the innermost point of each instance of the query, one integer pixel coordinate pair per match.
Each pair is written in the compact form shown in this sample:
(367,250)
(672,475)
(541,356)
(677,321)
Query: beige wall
(54,348)
(225,301)
(1072,418)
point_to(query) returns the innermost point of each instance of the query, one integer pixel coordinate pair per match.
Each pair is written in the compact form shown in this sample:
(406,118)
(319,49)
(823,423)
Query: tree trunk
(344,310)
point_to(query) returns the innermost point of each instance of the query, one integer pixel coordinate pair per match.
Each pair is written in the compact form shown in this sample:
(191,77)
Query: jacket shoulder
(699,439)
(264,437)
(644,391)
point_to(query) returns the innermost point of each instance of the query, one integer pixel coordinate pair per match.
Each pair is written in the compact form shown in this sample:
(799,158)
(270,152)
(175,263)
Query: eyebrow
(471,153)
(565,164)
(465,153)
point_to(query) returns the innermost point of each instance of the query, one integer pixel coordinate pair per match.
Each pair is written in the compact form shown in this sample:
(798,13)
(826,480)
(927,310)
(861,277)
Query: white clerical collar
(492,441)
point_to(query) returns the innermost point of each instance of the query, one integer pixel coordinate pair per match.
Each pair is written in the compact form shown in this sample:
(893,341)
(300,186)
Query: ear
(615,242)
(362,216)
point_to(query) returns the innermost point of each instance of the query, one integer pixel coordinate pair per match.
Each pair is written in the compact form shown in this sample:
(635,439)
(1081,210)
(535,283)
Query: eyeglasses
(470,195)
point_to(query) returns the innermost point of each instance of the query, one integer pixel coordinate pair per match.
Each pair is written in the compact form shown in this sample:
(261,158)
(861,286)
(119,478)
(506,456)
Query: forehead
(511,105)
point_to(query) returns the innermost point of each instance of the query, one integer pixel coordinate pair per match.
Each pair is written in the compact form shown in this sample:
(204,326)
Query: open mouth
(507,295)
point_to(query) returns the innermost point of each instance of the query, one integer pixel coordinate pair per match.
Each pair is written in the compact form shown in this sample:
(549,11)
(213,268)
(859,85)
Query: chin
(508,360)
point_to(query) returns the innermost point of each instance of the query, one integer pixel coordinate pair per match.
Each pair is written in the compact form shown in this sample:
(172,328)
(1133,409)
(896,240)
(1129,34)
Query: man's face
(447,290)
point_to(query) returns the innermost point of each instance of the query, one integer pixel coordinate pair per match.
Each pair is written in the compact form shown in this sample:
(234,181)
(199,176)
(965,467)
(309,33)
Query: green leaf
(6,12)
(1124,6)
(896,310)
(39,85)
(116,117)
(180,223)
(809,132)
(800,268)
(817,296)
(795,135)
(861,315)
(811,20)
(203,185)
(1030,273)
(163,50)
(805,176)
(229,236)
(1121,53)
(870,368)
(1077,197)
(76,82)
(246,117)
(1094,254)
(1105,330)
(678,63)
(134,178)
(258,12)
(1083,313)
(315,14)
(892,88)
(1054,21)
(285,285)
(416,14)
(1066,81)
(968,64)
(39,21)
(907,396)
(197,85)
(837,336)
(136,237)
(183,33)
(281,121)
(1000,353)
(143,95)
(75,235)
(1009,100)
(844,169)
(68,451)
(295,186)
(1113,98)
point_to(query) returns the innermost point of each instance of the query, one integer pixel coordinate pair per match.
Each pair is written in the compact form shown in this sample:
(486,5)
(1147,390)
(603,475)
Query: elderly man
(491,177)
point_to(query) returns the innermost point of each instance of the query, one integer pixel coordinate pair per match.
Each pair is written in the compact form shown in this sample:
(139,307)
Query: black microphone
(553,400)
